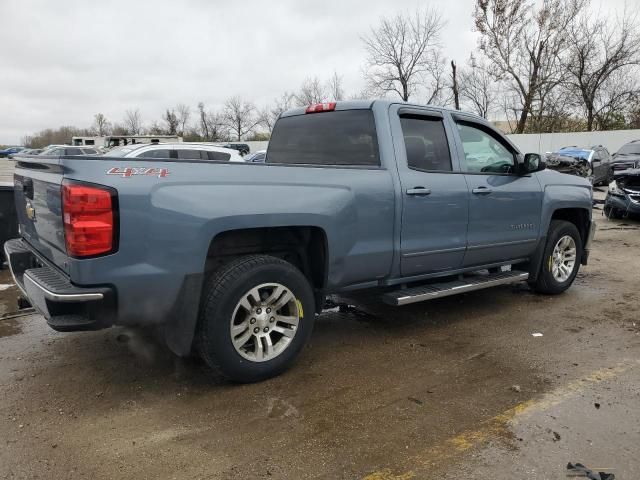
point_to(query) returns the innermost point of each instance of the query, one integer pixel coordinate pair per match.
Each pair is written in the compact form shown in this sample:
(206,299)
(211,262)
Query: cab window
(484,152)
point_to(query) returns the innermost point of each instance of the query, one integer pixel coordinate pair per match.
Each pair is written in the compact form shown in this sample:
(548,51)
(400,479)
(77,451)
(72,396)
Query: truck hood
(628,180)
(554,177)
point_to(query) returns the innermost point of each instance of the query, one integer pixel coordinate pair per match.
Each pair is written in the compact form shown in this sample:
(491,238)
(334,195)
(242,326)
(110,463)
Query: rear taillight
(89,219)
(321,107)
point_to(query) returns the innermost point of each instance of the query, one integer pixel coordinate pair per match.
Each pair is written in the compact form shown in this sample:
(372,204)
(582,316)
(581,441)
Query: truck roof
(368,104)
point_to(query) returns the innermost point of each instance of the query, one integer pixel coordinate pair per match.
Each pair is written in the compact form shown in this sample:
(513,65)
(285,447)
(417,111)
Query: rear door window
(192,155)
(426,143)
(219,156)
(74,151)
(328,138)
(160,153)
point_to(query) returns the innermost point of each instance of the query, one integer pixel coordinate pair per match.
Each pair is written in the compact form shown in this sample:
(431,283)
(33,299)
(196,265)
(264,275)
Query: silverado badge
(31,212)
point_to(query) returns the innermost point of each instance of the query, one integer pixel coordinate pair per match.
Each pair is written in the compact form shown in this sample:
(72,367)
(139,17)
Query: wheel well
(578,216)
(303,246)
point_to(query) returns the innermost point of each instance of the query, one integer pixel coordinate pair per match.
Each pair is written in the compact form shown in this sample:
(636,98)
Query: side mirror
(532,163)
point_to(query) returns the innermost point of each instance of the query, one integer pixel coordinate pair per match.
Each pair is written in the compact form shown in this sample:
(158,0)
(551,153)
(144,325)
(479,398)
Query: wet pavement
(454,388)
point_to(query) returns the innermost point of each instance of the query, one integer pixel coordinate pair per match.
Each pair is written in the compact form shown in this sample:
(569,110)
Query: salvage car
(10,151)
(257,157)
(623,197)
(235,260)
(628,156)
(177,151)
(592,163)
(243,148)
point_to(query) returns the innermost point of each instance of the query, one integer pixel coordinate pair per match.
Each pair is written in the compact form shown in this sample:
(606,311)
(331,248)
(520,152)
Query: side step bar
(439,290)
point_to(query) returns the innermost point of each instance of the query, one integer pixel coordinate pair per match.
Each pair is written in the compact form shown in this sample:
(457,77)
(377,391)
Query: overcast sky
(63,61)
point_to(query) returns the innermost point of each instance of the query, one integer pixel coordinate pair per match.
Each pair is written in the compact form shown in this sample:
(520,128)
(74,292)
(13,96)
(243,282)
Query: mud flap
(180,329)
(535,264)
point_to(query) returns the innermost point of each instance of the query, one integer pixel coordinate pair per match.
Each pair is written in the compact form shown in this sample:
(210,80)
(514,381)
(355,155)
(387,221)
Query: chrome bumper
(65,306)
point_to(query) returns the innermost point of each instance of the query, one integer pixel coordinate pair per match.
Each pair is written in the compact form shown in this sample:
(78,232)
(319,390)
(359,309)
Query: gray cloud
(62,61)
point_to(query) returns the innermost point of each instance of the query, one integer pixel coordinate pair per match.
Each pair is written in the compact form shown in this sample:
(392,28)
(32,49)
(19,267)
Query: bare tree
(218,128)
(203,123)
(240,117)
(171,121)
(616,99)
(524,43)
(119,129)
(478,88)
(454,86)
(270,114)
(334,86)
(155,129)
(600,53)
(312,91)
(403,52)
(133,121)
(101,124)
(183,113)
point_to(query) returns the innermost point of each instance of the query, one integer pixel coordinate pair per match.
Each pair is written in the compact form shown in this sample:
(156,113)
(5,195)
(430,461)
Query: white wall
(255,146)
(549,142)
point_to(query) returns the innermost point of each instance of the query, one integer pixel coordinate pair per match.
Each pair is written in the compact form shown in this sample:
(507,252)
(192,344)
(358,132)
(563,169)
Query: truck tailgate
(39,206)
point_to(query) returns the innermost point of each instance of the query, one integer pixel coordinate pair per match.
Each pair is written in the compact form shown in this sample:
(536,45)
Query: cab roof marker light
(321,107)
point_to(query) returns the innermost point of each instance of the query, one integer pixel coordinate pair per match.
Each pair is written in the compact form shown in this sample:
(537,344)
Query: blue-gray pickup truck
(235,260)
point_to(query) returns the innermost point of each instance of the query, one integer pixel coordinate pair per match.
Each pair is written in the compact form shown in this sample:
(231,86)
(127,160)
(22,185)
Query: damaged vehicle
(627,157)
(592,163)
(623,198)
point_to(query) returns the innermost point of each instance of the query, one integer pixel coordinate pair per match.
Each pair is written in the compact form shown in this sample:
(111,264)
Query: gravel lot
(455,388)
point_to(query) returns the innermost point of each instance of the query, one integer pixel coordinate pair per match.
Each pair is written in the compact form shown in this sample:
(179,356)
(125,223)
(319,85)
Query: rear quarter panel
(167,224)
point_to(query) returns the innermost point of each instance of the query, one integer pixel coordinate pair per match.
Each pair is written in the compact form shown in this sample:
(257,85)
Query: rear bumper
(622,204)
(65,306)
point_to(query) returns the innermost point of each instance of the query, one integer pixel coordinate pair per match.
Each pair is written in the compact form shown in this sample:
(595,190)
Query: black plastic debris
(579,470)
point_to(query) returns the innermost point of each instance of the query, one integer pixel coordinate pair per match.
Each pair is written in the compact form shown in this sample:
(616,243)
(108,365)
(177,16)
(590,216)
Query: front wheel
(561,259)
(257,315)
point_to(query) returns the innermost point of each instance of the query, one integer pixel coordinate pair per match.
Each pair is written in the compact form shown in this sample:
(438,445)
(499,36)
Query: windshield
(630,149)
(118,152)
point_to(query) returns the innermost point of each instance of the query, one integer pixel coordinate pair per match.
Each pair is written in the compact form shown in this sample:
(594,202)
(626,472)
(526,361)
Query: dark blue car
(10,150)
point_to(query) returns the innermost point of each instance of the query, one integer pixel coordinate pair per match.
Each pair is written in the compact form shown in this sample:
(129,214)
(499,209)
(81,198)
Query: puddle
(10,327)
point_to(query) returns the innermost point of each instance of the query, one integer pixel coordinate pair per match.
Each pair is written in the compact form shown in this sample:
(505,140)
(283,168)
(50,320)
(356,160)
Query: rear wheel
(561,259)
(257,315)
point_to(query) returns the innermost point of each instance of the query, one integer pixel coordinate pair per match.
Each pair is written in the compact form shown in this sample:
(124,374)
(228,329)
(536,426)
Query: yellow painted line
(498,425)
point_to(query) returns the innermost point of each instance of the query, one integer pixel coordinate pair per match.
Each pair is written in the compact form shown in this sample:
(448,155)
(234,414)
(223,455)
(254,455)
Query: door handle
(419,191)
(482,191)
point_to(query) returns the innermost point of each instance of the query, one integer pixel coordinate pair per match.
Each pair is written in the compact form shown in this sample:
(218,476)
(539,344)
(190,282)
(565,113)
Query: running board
(439,290)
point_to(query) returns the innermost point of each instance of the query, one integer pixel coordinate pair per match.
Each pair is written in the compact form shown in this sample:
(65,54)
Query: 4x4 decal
(131,171)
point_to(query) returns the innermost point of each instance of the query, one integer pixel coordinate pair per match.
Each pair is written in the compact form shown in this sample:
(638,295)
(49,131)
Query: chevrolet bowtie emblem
(31,212)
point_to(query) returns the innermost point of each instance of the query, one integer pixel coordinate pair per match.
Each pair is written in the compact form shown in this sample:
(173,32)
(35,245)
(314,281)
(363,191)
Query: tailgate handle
(27,188)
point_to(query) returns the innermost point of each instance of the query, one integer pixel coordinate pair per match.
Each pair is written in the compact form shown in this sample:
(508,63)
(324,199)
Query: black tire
(222,292)
(546,283)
